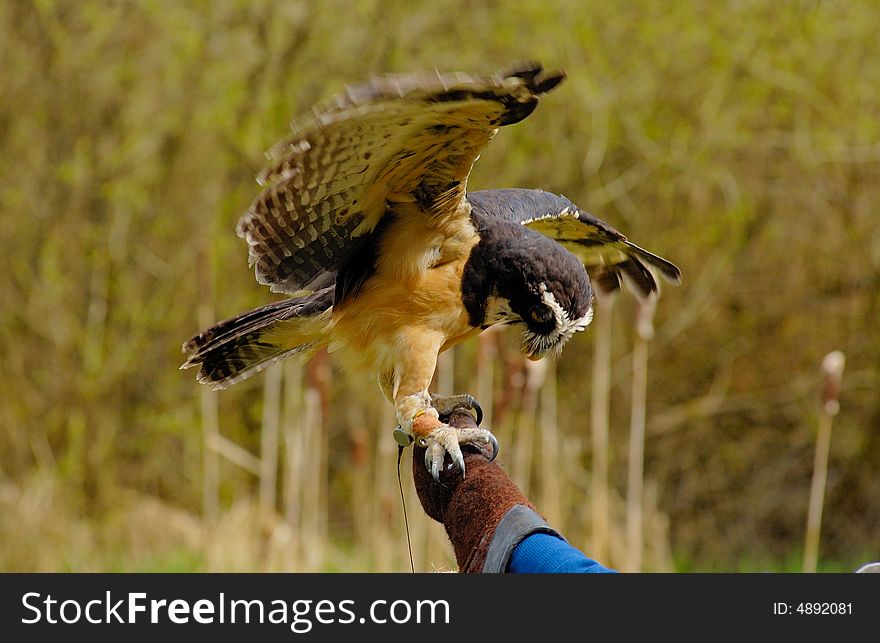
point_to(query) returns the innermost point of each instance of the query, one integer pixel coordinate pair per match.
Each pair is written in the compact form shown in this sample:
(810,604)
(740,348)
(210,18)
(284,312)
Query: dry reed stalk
(360,472)
(638,413)
(294,452)
(210,459)
(507,408)
(832,366)
(386,494)
(208,399)
(235,453)
(484,374)
(269,439)
(657,546)
(524,451)
(600,411)
(324,380)
(313,446)
(552,474)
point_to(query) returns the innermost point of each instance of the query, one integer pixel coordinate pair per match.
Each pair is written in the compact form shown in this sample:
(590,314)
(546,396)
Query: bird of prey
(366,221)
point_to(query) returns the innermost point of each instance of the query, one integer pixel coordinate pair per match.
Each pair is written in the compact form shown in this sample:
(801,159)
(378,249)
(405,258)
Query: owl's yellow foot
(445,439)
(419,417)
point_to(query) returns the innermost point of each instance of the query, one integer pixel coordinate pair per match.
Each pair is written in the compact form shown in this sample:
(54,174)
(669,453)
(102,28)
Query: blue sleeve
(542,553)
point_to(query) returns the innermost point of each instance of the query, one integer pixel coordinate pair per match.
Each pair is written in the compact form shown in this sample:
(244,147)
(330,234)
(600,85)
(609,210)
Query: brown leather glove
(471,508)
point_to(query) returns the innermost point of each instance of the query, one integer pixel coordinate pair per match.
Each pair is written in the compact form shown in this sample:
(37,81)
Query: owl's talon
(446,439)
(495,447)
(477,409)
(435,457)
(445,405)
(431,463)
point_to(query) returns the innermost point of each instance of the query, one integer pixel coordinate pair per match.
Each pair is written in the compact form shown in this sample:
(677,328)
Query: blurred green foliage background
(740,139)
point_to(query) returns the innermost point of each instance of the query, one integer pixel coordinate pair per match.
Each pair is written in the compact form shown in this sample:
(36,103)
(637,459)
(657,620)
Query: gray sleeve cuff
(518,523)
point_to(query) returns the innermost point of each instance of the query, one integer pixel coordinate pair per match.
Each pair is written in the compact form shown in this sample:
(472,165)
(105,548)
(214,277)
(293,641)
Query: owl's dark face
(534,283)
(548,316)
(548,325)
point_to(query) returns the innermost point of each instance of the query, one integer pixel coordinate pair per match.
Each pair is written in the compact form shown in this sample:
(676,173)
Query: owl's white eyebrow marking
(564,326)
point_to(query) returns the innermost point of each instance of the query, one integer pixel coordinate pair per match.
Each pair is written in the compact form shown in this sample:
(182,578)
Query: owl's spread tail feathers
(234,349)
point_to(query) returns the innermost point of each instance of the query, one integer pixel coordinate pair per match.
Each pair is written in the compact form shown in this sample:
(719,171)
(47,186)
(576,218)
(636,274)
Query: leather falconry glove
(485,515)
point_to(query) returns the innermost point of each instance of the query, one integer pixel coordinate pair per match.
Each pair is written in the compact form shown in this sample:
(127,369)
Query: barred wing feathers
(397,138)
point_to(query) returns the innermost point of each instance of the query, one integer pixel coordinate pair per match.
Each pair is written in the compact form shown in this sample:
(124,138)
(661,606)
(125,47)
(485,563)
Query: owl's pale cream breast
(399,306)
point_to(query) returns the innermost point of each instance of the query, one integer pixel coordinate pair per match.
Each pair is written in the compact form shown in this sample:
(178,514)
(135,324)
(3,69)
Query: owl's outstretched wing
(410,138)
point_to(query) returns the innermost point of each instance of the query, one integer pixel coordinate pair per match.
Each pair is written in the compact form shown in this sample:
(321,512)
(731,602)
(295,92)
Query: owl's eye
(541,314)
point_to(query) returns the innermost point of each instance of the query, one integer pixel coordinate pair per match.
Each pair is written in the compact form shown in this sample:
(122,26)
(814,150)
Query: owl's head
(530,281)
